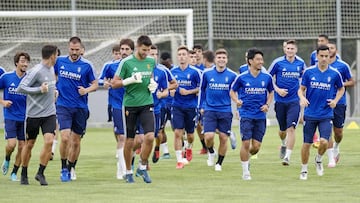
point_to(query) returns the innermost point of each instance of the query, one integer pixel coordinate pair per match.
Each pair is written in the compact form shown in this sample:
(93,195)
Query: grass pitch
(271,182)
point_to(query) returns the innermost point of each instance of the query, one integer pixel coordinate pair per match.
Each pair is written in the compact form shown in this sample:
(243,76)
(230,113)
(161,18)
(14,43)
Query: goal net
(98,29)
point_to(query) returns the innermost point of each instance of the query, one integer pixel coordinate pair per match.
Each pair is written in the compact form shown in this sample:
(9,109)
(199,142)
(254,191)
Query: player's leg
(309,129)
(48,126)
(338,122)
(10,136)
(246,130)
(292,119)
(281,115)
(156,153)
(178,121)
(224,127)
(120,141)
(130,117)
(190,122)
(21,142)
(32,130)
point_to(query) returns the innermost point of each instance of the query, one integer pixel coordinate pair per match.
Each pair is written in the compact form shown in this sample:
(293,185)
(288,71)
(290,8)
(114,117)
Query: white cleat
(72,174)
(246,176)
(218,167)
(211,159)
(303,175)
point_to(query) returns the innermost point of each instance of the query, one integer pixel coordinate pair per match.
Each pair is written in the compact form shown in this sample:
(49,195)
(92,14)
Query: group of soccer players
(197,93)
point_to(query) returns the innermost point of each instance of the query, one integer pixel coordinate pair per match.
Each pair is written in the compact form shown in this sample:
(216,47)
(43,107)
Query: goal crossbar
(188,13)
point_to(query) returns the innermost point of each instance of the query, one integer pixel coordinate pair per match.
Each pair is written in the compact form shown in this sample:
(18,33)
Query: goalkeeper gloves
(152,85)
(136,78)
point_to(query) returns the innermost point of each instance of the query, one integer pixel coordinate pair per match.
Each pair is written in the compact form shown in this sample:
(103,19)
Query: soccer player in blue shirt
(256,92)
(317,93)
(184,104)
(161,92)
(287,71)
(340,109)
(166,109)
(215,105)
(125,48)
(75,79)
(14,112)
(116,54)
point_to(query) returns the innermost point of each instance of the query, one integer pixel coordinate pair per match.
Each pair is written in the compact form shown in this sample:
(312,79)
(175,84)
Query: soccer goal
(98,29)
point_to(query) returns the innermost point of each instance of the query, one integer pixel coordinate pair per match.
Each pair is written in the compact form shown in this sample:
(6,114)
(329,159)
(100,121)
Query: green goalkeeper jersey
(137,94)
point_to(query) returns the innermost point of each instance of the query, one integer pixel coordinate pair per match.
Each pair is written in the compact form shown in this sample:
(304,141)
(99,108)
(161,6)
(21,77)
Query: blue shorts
(165,115)
(325,128)
(72,118)
(183,118)
(339,116)
(199,117)
(252,129)
(14,129)
(287,114)
(217,120)
(157,124)
(118,121)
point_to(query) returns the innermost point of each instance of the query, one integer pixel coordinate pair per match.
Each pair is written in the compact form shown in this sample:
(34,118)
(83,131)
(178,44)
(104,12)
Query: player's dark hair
(116,47)
(165,55)
(252,52)
(209,55)
(291,41)
(198,46)
(128,42)
(324,36)
(144,40)
(20,54)
(322,48)
(48,50)
(75,39)
(182,47)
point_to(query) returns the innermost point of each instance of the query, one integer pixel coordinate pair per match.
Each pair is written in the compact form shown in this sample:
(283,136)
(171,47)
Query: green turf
(271,182)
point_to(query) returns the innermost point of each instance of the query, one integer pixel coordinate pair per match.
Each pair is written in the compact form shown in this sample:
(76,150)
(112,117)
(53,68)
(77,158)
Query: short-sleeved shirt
(214,90)
(188,79)
(320,86)
(253,91)
(70,76)
(344,70)
(137,94)
(287,75)
(9,83)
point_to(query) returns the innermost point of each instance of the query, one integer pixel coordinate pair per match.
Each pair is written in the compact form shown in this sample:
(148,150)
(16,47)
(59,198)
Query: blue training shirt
(253,91)
(344,70)
(189,78)
(161,79)
(215,89)
(287,75)
(115,95)
(320,86)
(71,75)
(9,83)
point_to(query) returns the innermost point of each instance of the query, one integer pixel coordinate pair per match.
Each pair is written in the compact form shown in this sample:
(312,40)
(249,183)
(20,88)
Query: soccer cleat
(144,174)
(179,165)
(41,179)
(203,151)
(24,180)
(303,175)
(332,163)
(189,154)
(246,176)
(129,178)
(319,168)
(185,161)
(72,174)
(156,156)
(285,161)
(282,152)
(211,159)
(64,175)
(217,167)
(232,140)
(5,167)
(166,156)
(13,177)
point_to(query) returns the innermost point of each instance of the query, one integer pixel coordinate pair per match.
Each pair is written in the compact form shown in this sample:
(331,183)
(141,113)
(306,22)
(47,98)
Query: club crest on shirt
(148,66)
(79,69)
(263,83)
(329,79)
(188,76)
(226,79)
